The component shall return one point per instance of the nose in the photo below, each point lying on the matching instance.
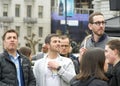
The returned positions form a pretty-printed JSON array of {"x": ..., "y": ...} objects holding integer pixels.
[
  {"x": 12, "y": 38},
  {"x": 101, "y": 24}
]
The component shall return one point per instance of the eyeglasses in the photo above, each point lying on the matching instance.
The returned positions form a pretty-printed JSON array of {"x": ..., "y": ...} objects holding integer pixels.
[
  {"x": 99, "y": 23},
  {"x": 65, "y": 46}
]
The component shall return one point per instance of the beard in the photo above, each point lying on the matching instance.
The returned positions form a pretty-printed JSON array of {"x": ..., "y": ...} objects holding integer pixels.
[{"x": 99, "y": 33}]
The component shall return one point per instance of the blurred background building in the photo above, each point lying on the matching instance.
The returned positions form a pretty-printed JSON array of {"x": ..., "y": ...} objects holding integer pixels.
[{"x": 34, "y": 19}]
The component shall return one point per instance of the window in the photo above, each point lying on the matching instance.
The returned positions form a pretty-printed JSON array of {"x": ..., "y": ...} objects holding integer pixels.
[
  {"x": 5, "y": 28},
  {"x": 29, "y": 31},
  {"x": 40, "y": 31},
  {"x": 5, "y": 10},
  {"x": 18, "y": 30},
  {"x": 40, "y": 11},
  {"x": 29, "y": 10},
  {"x": 17, "y": 10},
  {"x": 39, "y": 47}
]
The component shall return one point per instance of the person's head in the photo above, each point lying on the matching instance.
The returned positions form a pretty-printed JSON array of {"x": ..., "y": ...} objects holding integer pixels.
[
  {"x": 92, "y": 64},
  {"x": 10, "y": 40},
  {"x": 44, "y": 48},
  {"x": 112, "y": 51},
  {"x": 26, "y": 51},
  {"x": 64, "y": 45},
  {"x": 97, "y": 23},
  {"x": 53, "y": 42}
]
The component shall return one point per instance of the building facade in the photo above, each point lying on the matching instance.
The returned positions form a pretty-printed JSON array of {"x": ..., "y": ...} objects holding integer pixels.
[
  {"x": 27, "y": 17},
  {"x": 104, "y": 7}
]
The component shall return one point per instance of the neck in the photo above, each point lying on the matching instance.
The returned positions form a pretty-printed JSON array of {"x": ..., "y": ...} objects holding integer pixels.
[
  {"x": 52, "y": 55},
  {"x": 12, "y": 53},
  {"x": 116, "y": 61},
  {"x": 65, "y": 55},
  {"x": 96, "y": 38}
]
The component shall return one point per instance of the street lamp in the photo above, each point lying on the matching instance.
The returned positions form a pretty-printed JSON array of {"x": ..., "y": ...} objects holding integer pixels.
[{"x": 66, "y": 26}]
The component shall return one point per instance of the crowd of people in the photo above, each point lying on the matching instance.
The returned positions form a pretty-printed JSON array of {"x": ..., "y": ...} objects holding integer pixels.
[{"x": 98, "y": 63}]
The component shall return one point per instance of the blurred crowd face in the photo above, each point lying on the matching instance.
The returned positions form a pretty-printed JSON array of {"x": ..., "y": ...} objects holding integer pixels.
[
  {"x": 98, "y": 25},
  {"x": 110, "y": 55},
  {"x": 44, "y": 48},
  {"x": 64, "y": 46},
  {"x": 106, "y": 65}
]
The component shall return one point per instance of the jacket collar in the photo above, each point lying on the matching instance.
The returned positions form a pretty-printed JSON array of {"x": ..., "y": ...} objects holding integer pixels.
[{"x": 100, "y": 39}]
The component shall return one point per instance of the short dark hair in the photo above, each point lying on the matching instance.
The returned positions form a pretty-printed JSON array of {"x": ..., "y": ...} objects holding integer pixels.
[
  {"x": 25, "y": 51},
  {"x": 65, "y": 37},
  {"x": 9, "y": 31},
  {"x": 92, "y": 64},
  {"x": 49, "y": 36},
  {"x": 92, "y": 15},
  {"x": 114, "y": 44}
]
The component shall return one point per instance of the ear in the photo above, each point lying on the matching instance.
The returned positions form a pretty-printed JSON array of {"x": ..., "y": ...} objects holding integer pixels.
[
  {"x": 90, "y": 26},
  {"x": 116, "y": 52}
]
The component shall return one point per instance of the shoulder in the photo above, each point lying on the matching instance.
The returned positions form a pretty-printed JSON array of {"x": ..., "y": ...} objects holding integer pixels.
[
  {"x": 2, "y": 56},
  {"x": 39, "y": 61},
  {"x": 98, "y": 82},
  {"x": 74, "y": 82},
  {"x": 65, "y": 59}
]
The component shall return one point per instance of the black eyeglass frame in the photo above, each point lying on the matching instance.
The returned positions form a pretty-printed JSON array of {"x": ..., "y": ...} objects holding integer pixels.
[{"x": 99, "y": 23}]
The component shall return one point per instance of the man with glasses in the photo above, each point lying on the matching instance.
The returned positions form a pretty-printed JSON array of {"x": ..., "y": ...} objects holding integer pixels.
[
  {"x": 66, "y": 51},
  {"x": 98, "y": 38}
]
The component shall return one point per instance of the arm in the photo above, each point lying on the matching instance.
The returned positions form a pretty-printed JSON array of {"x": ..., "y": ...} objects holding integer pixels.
[
  {"x": 67, "y": 71},
  {"x": 2, "y": 83},
  {"x": 37, "y": 73}
]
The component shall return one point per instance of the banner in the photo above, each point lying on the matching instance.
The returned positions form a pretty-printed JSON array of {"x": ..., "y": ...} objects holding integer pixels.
[{"x": 69, "y": 5}]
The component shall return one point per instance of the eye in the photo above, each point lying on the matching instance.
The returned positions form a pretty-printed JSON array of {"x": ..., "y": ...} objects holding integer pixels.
[{"x": 99, "y": 23}]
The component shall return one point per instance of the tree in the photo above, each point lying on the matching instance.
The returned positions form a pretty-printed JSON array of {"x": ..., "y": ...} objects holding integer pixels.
[{"x": 32, "y": 42}]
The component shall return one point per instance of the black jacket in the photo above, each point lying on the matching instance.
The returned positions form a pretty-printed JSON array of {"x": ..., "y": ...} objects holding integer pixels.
[
  {"x": 8, "y": 73},
  {"x": 90, "y": 82},
  {"x": 114, "y": 75}
]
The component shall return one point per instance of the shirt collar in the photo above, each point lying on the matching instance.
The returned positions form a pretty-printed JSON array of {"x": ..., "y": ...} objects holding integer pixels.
[{"x": 16, "y": 57}]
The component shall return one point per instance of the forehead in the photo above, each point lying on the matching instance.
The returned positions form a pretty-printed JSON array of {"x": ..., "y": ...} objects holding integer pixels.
[
  {"x": 55, "y": 38},
  {"x": 98, "y": 18},
  {"x": 107, "y": 47},
  {"x": 10, "y": 34},
  {"x": 64, "y": 41}
]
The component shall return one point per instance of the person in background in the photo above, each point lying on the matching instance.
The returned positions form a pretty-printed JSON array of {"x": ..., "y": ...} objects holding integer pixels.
[
  {"x": 15, "y": 68},
  {"x": 53, "y": 69},
  {"x": 41, "y": 54},
  {"x": 66, "y": 51},
  {"x": 26, "y": 51},
  {"x": 112, "y": 53},
  {"x": 98, "y": 38},
  {"x": 91, "y": 69}
]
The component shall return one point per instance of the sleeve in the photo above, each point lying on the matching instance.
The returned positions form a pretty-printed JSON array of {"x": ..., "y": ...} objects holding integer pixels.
[
  {"x": 118, "y": 77},
  {"x": 67, "y": 71},
  {"x": 36, "y": 73}
]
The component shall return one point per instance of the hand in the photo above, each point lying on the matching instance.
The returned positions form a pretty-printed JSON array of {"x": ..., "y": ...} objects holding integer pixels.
[
  {"x": 53, "y": 65},
  {"x": 81, "y": 52}
]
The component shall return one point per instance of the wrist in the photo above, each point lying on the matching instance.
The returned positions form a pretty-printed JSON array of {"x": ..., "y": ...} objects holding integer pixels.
[{"x": 59, "y": 67}]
